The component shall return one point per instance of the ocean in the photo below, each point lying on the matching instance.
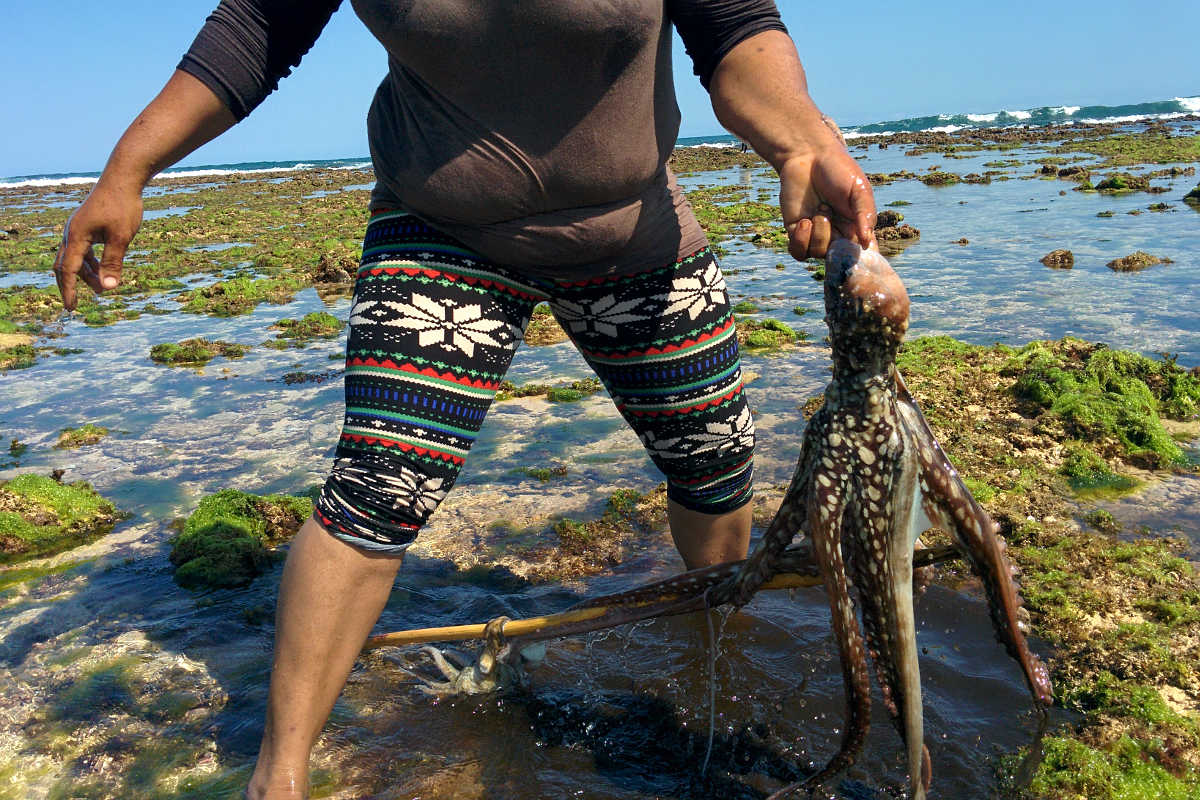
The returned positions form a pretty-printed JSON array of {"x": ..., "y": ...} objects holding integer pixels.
[{"x": 1043, "y": 115}]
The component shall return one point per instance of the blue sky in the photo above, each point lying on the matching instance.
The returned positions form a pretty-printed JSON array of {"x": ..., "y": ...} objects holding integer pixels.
[{"x": 75, "y": 73}]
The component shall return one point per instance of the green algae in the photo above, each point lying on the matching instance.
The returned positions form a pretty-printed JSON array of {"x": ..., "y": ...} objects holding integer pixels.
[
  {"x": 1122, "y": 183},
  {"x": 1109, "y": 396},
  {"x": 40, "y": 516},
  {"x": 226, "y": 541},
  {"x": 1102, "y": 520},
  {"x": 939, "y": 178},
  {"x": 1072, "y": 770},
  {"x": 766, "y": 335},
  {"x": 563, "y": 393},
  {"x": 241, "y": 295},
  {"x": 1145, "y": 147},
  {"x": 194, "y": 352},
  {"x": 300, "y": 332},
  {"x": 545, "y": 474},
  {"x": 543, "y": 328},
  {"x": 746, "y": 307},
  {"x": 72, "y": 438},
  {"x": 14, "y": 576},
  {"x": 17, "y": 356},
  {"x": 1090, "y": 475}
]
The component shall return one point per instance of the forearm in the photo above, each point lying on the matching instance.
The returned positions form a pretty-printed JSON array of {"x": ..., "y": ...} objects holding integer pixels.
[
  {"x": 759, "y": 92},
  {"x": 184, "y": 115}
]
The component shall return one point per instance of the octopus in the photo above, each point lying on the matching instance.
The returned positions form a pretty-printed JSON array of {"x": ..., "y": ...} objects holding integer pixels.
[{"x": 871, "y": 478}]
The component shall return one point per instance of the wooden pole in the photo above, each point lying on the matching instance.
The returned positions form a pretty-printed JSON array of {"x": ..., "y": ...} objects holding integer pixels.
[{"x": 591, "y": 616}]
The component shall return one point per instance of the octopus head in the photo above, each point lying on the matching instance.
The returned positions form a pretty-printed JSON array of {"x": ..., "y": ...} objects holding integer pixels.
[{"x": 866, "y": 305}]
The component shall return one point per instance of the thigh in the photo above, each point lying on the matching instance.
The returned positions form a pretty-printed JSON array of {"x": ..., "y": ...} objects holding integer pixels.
[
  {"x": 665, "y": 345},
  {"x": 433, "y": 328}
]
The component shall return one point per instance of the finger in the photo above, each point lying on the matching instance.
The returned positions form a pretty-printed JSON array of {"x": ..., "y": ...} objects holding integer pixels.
[
  {"x": 798, "y": 238},
  {"x": 822, "y": 232},
  {"x": 110, "y": 263},
  {"x": 862, "y": 203},
  {"x": 67, "y": 264},
  {"x": 90, "y": 271}
]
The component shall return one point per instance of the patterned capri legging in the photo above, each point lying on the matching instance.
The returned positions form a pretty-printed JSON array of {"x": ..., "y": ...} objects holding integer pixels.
[{"x": 433, "y": 329}]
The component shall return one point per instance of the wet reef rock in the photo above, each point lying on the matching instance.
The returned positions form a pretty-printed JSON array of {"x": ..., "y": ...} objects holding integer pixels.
[
  {"x": 1136, "y": 261},
  {"x": 893, "y": 234},
  {"x": 1059, "y": 259}
]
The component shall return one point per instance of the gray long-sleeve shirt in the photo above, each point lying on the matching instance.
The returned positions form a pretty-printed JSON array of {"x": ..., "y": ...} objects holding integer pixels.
[{"x": 534, "y": 131}]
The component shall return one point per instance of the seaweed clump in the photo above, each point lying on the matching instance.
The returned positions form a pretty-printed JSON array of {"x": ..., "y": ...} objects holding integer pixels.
[
  {"x": 1113, "y": 399},
  {"x": 194, "y": 352},
  {"x": 71, "y": 438},
  {"x": 759, "y": 336},
  {"x": 39, "y": 516},
  {"x": 299, "y": 332},
  {"x": 16, "y": 347},
  {"x": 227, "y": 540},
  {"x": 564, "y": 393},
  {"x": 241, "y": 295}
]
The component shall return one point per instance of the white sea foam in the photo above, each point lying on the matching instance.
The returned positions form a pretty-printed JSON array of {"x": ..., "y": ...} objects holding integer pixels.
[
  {"x": 983, "y": 117},
  {"x": 1019, "y": 114},
  {"x": 946, "y": 128},
  {"x": 84, "y": 180},
  {"x": 75, "y": 181},
  {"x": 1133, "y": 118},
  {"x": 859, "y": 134},
  {"x": 1068, "y": 110},
  {"x": 1192, "y": 104}
]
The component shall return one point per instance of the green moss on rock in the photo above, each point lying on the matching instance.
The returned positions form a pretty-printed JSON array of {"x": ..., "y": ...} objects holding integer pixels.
[
  {"x": 241, "y": 295},
  {"x": 767, "y": 334},
  {"x": 299, "y": 332},
  {"x": 195, "y": 352},
  {"x": 71, "y": 438},
  {"x": 564, "y": 393},
  {"x": 1108, "y": 395},
  {"x": 40, "y": 516},
  {"x": 226, "y": 541}
]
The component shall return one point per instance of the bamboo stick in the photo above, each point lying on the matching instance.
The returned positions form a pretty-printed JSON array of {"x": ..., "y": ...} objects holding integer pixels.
[{"x": 678, "y": 599}]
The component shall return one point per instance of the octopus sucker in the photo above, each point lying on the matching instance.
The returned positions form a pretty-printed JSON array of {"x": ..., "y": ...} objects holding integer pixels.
[{"x": 881, "y": 449}]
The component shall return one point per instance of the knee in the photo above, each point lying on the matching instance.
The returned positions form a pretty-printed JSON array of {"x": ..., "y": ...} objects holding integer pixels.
[{"x": 378, "y": 508}]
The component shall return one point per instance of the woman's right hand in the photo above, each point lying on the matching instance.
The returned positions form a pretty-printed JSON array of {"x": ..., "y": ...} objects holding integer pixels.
[{"x": 110, "y": 216}]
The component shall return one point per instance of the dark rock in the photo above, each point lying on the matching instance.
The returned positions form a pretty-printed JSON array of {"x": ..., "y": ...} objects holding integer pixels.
[
  {"x": 963, "y": 241},
  {"x": 1059, "y": 259},
  {"x": 893, "y": 239},
  {"x": 336, "y": 268},
  {"x": 888, "y": 219},
  {"x": 1136, "y": 261},
  {"x": 1074, "y": 172}
]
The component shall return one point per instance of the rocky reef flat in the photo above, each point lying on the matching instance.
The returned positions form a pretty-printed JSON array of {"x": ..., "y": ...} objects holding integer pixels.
[{"x": 161, "y": 444}]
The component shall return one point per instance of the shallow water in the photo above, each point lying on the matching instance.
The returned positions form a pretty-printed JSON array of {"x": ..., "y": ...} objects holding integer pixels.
[{"x": 115, "y": 682}]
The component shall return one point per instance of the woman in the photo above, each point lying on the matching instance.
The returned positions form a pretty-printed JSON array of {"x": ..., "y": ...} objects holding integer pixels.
[{"x": 520, "y": 155}]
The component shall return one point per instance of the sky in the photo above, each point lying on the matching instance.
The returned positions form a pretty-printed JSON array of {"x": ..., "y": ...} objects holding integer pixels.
[{"x": 75, "y": 73}]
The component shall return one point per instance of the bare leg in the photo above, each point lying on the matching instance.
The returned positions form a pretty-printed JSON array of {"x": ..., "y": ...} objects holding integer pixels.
[
  {"x": 707, "y": 539},
  {"x": 330, "y": 596}
]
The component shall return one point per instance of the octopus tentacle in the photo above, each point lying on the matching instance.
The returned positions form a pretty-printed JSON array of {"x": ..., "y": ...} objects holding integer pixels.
[
  {"x": 826, "y": 515},
  {"x": 788, "y": 521},
  {"x": 884, "y": 570},
  {"x": 950, "y": 505}
]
